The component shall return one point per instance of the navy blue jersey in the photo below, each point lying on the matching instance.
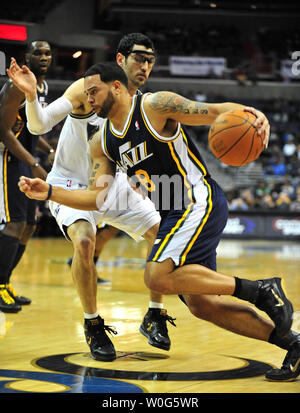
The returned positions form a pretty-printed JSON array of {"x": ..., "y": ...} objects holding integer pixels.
[
  {"x": 168, "y": 168},
  {"x": 28, "y": 140}
]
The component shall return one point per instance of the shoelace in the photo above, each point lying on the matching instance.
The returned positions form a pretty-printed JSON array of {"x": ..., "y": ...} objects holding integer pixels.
[
  {"x": 110, "y": 329},
  {"x": 5, "y": 296},
  {"x": 170, "y": 319},
  {"x": 163, "y": 318}
]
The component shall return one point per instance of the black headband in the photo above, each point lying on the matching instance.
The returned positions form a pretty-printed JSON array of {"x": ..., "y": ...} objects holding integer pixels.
[{"x": 142, "y": 52}]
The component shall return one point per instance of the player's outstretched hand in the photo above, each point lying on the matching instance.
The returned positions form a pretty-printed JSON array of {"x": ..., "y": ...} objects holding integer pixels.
[
  {"x": 261, "y": 123},
  {"x": 34, "y": 188},
  {"x": 22, "y": 77}
]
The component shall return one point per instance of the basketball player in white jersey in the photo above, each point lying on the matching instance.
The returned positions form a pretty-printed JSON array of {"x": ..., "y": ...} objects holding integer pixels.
[{"x": 124, "y": 208}]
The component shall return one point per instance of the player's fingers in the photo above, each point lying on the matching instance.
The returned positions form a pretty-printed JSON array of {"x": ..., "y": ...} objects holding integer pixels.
[
  {"x": 266, "y": 137},
  {"x": 25, "y": 69},
  {"x": 260, "y": 117}
]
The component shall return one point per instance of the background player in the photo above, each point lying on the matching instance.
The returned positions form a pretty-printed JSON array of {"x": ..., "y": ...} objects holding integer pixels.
[
  {"x": 17, "y": 150},
  {"x": 136, "y": 55}
]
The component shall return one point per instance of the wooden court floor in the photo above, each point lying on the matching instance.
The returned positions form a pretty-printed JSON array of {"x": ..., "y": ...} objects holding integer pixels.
[{"x": 43, "y": 349}]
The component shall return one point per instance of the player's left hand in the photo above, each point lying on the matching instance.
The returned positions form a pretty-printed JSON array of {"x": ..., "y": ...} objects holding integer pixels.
[
  {"x": 261, "y": 123},
  {"x": 22, "y": 77},
  {"x": 34, "y": 188}
]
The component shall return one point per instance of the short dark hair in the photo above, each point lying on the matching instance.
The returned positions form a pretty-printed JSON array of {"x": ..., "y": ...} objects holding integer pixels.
[
  {"x": 30, "y": 46},
  {"x": 129, "y": 40},
  {"x": 108, "y": 71}
]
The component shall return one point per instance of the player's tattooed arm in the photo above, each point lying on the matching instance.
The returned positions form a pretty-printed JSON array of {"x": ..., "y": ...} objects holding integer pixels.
[
  {"x": 166, "y": 102},
  {"x": 170, "y": 105},
  {"x": 93, "y": 174}
]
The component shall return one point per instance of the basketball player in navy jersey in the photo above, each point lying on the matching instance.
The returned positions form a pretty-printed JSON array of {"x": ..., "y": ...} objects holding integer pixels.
[
  {"x": 144, "y": 136},
  {"x": 17, "y": 149}
]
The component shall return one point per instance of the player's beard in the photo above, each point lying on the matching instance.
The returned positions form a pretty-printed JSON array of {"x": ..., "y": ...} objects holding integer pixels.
[{"x": 107, "y": 105}]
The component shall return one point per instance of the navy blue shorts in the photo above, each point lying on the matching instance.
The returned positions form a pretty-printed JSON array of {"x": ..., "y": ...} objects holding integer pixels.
[
  {"x": 191, "y": 235},
  {"x": 16, "y": 206}
]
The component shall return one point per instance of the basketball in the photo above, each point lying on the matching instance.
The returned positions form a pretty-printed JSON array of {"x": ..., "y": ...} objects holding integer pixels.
[{"x": 233, "y": 138}]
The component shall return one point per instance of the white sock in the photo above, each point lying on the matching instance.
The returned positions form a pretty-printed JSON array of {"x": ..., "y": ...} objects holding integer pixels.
[
  {"x": 153, "y": 304},
  {"x": 90, "y": 316}
]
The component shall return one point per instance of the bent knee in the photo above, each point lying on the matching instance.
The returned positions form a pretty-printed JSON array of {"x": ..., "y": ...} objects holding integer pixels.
[{"x": 158, "y": 280}]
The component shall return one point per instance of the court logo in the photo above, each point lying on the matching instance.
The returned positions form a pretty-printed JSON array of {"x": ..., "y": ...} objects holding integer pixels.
[{"x": 62, "y": 363}]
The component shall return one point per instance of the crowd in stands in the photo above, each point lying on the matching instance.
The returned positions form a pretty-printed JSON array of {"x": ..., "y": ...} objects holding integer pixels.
[{"x": 281, "y": 195}]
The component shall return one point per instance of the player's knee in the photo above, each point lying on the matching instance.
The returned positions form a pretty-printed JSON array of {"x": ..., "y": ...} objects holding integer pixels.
[
  {"x": 155, "y": 280},
  {"x": 14, "y": 229},
  {"x": 85, "y": 246}
]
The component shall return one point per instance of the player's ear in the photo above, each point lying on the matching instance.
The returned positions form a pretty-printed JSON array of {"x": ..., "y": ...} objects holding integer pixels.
[
  {"x": 120, "y": 59},
  {"x": 117, "y": 86}
]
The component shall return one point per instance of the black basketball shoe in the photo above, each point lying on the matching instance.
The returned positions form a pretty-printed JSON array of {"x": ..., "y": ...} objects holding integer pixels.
[
  {"x": 271, "y": 299},
  {"x": 290, "y": 369},
  {"x": 7, "y": 303},
  {"x": 154, "y": 327},
  {"x": 19, "y": 299},
  {"x": 100, "y": 344}
]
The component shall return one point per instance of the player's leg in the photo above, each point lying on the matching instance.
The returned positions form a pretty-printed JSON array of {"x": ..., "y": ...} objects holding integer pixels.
[
  {"x": 9, "y": 243},
  {"x": 79, "y": 227},
  {"x": 244, "y": 320},
  {"x": 154, "y": 324},
  {"x": 13, "y": 216},
  {"x": 230, "y": 315},
  {"x": 24, "y": 238},
  {"x": 128, "y": 211},
  {"x": 84, "y": 276},
  {"x": 185, "y": 240},
  {"x": 83, "y": 269},
  {"x": 104, "y": 234}
]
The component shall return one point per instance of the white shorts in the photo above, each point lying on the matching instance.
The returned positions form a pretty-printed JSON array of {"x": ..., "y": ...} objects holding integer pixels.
[{"x": 124, "y": 209}]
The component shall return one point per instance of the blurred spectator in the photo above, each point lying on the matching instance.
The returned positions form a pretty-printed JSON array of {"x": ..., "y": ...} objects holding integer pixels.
[
  {"x": 289, "y": 148},
  {"x": 283, "y": 201},
  {"x": 277, "y": 166},
  {"x": 236, "y": 202},
  {"x": 295, "y": 205}
]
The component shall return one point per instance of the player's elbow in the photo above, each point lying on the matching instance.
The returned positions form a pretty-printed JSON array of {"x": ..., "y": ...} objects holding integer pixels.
[{"x": 37, "y": 130}]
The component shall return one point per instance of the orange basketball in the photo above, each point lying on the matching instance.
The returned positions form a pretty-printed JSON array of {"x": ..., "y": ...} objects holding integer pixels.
[{"x": 233, "y": 138}]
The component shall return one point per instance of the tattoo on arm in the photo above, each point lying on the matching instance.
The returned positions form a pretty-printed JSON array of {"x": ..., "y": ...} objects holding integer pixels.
[
  {"x": 166, "y": 102},
  {"x": 93, "y": 174}
]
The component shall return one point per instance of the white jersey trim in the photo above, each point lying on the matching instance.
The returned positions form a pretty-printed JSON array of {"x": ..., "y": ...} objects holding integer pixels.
[{"x": 152, "y": 130}]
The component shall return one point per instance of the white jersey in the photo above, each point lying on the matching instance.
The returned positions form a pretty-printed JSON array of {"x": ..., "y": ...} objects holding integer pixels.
[
  {"x": 123, "y": 208},
  {"x": 72, "y": 164}
]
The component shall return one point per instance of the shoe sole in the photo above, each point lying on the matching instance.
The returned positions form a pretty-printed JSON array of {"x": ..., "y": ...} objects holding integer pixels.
[
  {"x": 152, "y": 343},
  {"x": 10, "y": 310},
  {"x": 289, "y": 308},
  {"x": 98, "y": 358},
  {"x": 282, "y": 381}
]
